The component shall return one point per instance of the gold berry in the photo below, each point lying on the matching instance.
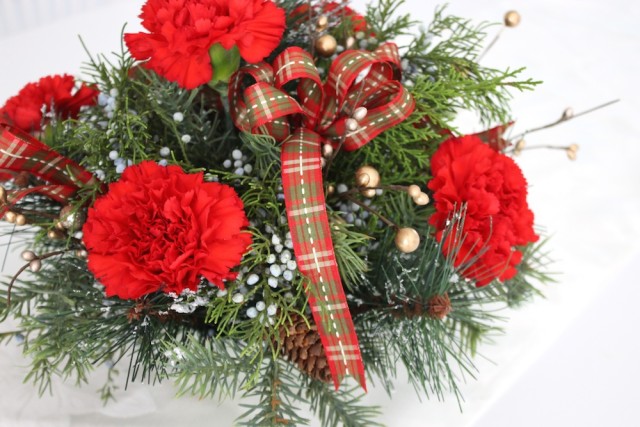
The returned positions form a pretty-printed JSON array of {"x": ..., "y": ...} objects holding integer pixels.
[
  {"x": 370, "y": 193},
  {"x": 322, "y": 23},
  {"x": 21, "y": 219},
  {"x": 35, "y": 265},
  {"x": 413, "y": 191},
  {"x": 407, "y": 240},
  {"x": 10, "y": 217},
  {"x": 359, "y": 114},
  {"x": 511, "y": 19},
  {"x": 351, "y": 124},
  {"x": 28, "y": 255},
  {"x": 327, "y": 150},
  {"x": 567, "y": 113},
  {"x": 362, "y": 180},
  {"x": 374, "y": 176},
  {"x": 81, "y": 253},
  {"x": 422, "y": 199},
  {"x": 326, "y": 45}
]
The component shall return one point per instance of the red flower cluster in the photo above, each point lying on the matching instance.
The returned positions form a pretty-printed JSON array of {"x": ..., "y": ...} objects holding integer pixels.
[
  {"x": 51, "y": 94},
  {"x": 357, "y": 21},
  {"x": 160, "y": 229},
  {"x": 182, "y": 31},
  {"x": 467, "y": 171}
]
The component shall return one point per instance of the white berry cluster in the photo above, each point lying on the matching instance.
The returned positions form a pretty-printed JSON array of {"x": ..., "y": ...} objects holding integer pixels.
[
  {"x": 353, "y": 213},
  {"x": 108, "y": 102},
  {"x": 178, "y": 117},
  {"x": 279, "y": 272},
  {"x": 238, "y": 163}
]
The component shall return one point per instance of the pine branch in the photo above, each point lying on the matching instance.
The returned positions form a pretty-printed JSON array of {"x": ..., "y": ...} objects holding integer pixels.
[
  {"x": 533, "y": 271},
  {"x": 278, "y": 394},
  {"x": 209, "y": 368},
  {"x": 342, "y": 407},
  {"x": 383, "y": 20}
]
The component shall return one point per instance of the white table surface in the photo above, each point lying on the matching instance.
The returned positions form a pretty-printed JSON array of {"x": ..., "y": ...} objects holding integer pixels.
[{"x": 570, "y": 359}]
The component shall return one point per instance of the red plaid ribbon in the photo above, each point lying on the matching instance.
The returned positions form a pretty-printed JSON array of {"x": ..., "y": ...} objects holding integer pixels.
[
  {"x": 312, "y": 244},
  {"x": 19, "y": 152},
  {"x": 319, "y": 113}
]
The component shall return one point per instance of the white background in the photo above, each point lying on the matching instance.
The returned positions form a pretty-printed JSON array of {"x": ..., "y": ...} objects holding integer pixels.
[{"x": 568, "y": 360}]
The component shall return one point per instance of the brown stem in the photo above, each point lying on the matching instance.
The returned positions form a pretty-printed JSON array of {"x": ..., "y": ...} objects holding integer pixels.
[
  {"x": 372, "y": 212},
  {"x": 437, "y": 306},
  {"x": 493, "y": 42},
  {"x": 357, "y": 190},
  {"x": 21, "y": 270},
  {"x": 564, "y": 119}
]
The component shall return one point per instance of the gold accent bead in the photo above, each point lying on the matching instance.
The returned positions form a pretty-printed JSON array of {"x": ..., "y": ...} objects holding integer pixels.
[
  {"x": 10, "y": 217},
  {"x": 35, "y": 265},
  {"x": 71, "y": 218},
  {"x": 28, "y": 255},
  {"x": 567, "y": 113},
  {"x": 350, "y": 43},
  {"x": 413, "y": 191},
  {"x": 81, "y": 253},
  {"x": 519, "y": 147},
  {"x": 326, "y": 45},
  {"x": 369, "y": 193},
  {"x": 421, "y": 200},
  {"x": 359, "y": 114},
  {"x": 362, "y": 180},
  {"x": 407, "y": 240},
  {"x": 21, "y": 219},
  {"x": 511, "y": 19},
  {"x": 327, "y": 150},
  {"x": 331, "y": 189},
  {"x": 351, "y": 124},
  {"x": 322, "y": 23},
  {"x": 374, "y": 176}
]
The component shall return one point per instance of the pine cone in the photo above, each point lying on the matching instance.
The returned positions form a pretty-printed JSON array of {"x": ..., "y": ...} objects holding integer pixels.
[
  {"x": 439, "y": 306},
  {"x": 301, "y": 344}
]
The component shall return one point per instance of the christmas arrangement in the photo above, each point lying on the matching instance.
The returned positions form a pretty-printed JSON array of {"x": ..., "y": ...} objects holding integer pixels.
[{"x": 269, "y": 200}]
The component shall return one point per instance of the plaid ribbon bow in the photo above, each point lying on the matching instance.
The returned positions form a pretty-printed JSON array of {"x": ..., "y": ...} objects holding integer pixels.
[
  {"x": 303, "y": 124},
  {"x": 20, "y": 152}
]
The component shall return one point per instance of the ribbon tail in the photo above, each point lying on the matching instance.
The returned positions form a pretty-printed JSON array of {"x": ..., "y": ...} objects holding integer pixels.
[
  {"x": 20, "y": 151},
  {"x": 313, "y": 247}
]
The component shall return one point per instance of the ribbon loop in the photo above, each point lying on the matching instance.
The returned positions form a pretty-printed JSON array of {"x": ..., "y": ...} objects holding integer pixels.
[{"x": 356, "y": 79}]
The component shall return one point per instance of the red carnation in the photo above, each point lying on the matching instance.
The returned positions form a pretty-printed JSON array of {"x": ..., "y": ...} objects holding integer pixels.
[
  {"x": 160, "y": 229},
  {"x": 51, "y": 94},
  {"x": 467, "y": 171},
  {"x": 182, "y": 31}
]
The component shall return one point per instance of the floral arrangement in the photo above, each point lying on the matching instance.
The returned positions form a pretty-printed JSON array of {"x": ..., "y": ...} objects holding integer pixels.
[{"x": 262, "y": 198}]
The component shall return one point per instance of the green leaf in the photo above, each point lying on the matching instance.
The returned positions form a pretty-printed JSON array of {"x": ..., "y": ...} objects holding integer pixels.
[{"x": 225, "y": 63}]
